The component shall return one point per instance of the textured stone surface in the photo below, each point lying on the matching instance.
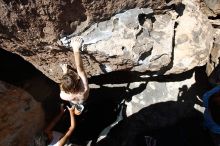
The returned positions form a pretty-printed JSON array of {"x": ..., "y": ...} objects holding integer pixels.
[
  {"x": 21, "y": 116},
  {"x": 215, "y": 54},
  {"x": 32, "y": 28},
  {"x": 193, "y": 39},
  {"x": 213, "y": 68},
  {"x": 157, "y": 92},
  {"x": 214, "y": 5},
  {"x": 136, "y": 36},
  {"x": 173, "y": 40}
]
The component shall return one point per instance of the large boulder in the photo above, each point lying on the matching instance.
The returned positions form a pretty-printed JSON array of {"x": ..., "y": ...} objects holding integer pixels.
[
  {"x": 21, "y": 116},
  {"x": 194, "y": 37},
  {"x": 137, "y": 39},
  {"x": 32, "y": 28},
  {"x": 163, "y": 38}
]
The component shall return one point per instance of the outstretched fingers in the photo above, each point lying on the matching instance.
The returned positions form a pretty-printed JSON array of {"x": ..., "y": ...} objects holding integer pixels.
[{"x": 76, "y": 43}]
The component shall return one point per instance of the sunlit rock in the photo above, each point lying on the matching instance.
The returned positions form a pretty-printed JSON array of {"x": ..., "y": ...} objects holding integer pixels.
[
  {"x": 213, "y": 68},
  {"x": 214, "y": 5},
  {"x": 193, "y": 39},
  {"x": 137, "y": 36}
]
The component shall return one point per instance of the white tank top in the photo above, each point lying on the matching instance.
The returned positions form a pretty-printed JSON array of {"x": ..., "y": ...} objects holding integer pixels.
[{"x": 70, "y": 97}]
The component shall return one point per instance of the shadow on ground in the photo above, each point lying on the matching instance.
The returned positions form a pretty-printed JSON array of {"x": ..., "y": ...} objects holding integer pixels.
[
  {"x": 168, "y": 123},
  {"x": 171, "y": 123}
]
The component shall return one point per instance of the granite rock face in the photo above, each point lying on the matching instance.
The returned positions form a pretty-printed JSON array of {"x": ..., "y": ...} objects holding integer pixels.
[
  {"x": 213, "y": 68},
  {"x": 194, "y": 37},
  {"x": 32, "y": 28},
  {"x": 138, "y": 39},
  {"x": 214, "y": 5},
  {"x": 21, "y": 116},
  {"x": 155, "y": 36}
]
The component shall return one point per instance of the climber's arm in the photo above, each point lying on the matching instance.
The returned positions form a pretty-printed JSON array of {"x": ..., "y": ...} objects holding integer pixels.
[
  {"x": 66, "y": 136},
  {"x": 76, "y": 44}
]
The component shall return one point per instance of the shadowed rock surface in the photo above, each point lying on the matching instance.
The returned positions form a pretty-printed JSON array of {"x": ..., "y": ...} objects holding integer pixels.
[
  {"x": 169, "y": 123},
  {"x": 21, "y": 116}
]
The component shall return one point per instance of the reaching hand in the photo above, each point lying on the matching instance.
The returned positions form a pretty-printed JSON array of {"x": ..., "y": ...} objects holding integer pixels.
[
  {"x": 76, "y": 43},
  {"x": 74, "y": 110},
  {"x": 71, "y": 109}
]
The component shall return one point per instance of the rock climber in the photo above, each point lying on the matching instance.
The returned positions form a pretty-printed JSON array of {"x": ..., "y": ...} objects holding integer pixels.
[{"x": 74, "y": 86}]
